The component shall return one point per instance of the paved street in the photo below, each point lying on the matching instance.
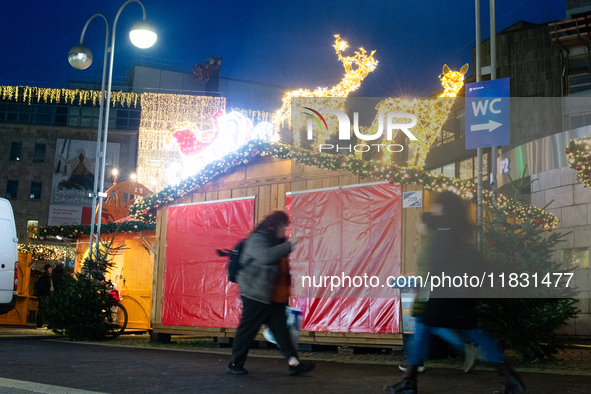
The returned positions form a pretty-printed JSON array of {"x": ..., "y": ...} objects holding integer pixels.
[{"x": 52, "y": 366}]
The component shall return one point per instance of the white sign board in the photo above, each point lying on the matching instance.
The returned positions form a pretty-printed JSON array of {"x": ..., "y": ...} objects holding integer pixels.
[{"x": 412, "y": 199}]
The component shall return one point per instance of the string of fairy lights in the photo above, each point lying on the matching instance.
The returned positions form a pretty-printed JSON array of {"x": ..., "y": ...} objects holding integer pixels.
[
  {"x": 254, "y": 115},
  {"x": 145, "y": 210},
  {"x": 51, "y": 95},
  {"x": 48, "y": 252},
  {"x": 579, "y": 158}
]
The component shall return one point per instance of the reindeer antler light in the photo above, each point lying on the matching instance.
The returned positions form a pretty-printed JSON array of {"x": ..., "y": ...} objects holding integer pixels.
[{"x": 333, "y": 98}]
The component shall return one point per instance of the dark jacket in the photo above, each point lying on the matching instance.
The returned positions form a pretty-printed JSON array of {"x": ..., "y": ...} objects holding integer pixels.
[
  {"x": 260, "y": 260},
  {"x": 44, "y": 285},
  {"x": 57, "y": 276},
  {"x": 447, "y": 253}
]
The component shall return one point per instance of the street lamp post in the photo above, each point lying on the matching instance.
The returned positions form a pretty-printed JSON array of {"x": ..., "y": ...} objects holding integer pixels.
[
  {"x": 142, "y": 35},
  {"x": 80, "y": 58}
]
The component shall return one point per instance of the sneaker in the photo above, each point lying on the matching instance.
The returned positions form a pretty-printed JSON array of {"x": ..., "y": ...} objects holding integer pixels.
[
  {"x": 302, "y": 367},
  {"x": 234, "y": 370},
  {"x": 470, "y": 355},
  {"x": 420, "y": 368},
  {"x": 41, "y": 328}
]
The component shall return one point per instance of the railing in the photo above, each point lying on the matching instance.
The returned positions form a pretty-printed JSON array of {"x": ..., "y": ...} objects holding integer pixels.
[{"x": 571, "y": 32}]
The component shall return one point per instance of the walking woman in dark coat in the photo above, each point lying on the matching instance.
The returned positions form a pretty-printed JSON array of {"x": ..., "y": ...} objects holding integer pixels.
[
  {"x": 264, "y": 283},
  {"x": 447, "y": 308}
]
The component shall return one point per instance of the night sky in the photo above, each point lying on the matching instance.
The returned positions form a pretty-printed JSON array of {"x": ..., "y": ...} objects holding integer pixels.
[{"x": 288, "y": 43}]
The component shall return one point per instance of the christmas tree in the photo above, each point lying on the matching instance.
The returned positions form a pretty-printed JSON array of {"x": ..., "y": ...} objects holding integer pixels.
[
  {"x": 78, "y": 310},
  {"x": 526, "y": 325}
]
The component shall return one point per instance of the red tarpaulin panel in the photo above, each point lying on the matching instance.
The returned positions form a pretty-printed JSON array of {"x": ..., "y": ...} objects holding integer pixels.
[
  {"x": 355, "y": 233},
  {"x": 196, "y": 288}
]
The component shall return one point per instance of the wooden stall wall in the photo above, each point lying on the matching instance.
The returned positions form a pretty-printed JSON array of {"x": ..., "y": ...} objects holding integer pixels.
[
  {"x": 25, "y": 302},
  {"x": 132, "y": 273},
  {"x": 269, "y": 180}
]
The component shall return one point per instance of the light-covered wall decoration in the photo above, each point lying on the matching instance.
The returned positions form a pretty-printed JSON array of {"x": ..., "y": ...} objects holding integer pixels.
[{"x": 160, "y": 113}]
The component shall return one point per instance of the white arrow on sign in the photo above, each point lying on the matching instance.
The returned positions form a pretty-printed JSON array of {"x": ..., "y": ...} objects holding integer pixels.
[{"x": 490, "y": 126}]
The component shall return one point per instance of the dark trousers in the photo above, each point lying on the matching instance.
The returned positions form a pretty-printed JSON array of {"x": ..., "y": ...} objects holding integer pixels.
[
  {"x": 39, "y": 317},
  {"x": 254, "y": 314}
]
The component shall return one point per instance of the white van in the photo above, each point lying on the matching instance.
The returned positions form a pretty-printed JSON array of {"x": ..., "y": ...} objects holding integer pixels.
[{"x": 8, "y": 258}]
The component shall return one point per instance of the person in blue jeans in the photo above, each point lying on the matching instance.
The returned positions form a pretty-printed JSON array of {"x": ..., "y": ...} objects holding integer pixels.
[
  {"x": 445, "y": 250},
  {"x": 426, "y": 227},
  {"x": 420, "y": 350}
]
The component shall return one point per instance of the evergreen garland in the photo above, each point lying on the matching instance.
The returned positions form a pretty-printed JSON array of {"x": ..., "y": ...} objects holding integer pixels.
[
  {"x": 579, "y": 158},
  {"x": 74, "y": 231},
  {"x": 146, "y": 208}
]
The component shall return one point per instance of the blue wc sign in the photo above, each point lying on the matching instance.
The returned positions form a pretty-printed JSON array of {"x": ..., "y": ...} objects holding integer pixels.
[{"x": 487, "y": 113}]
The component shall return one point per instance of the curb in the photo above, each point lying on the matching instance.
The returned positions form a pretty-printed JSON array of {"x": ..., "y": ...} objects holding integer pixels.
[{"x": 227, "y": 352}]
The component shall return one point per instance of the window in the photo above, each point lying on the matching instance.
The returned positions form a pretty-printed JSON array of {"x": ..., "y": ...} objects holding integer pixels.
[
  {"x": 88, "y": 117},
  {"x": 575, "y": 258},
  {"x": 44, "y": 114},
  {"x": 468, "y": 168},
  {"x": 32, "y": 228},
  {"x": 35, "y": 190},
  {"x": 11, "y": 189},
  {"x": 446, "y": 170},
  {"x": 448, "y": 136},
  {"x": 582, "y": 120},
  {"x": 461, "y": 126},
  {"x": 12, "y": 112},
  {"x": 73, "y": 116},
  {"x": 449, "y": 170},
  {"x": 16, "y": 151},
  {"x": 39, "y": 155}
]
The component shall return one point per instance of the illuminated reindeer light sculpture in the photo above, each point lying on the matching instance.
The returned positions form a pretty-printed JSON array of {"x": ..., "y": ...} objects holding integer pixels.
[
  {"x": 333, "y": 98},
  {"x": 430, "y": 113}
]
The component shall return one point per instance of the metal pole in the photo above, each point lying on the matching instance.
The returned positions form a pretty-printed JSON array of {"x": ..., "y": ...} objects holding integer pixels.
[
  {"x": 479, "y": 150},
  {"x": 493, "y": 75},
  {"x": 100, "y": 126},
  {"x": 104, "y": 151}
]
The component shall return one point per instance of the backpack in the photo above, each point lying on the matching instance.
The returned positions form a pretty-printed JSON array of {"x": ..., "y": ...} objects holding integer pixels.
[
  {"x": 234, "y": 265},
  {"x": 36, "y": 288}
]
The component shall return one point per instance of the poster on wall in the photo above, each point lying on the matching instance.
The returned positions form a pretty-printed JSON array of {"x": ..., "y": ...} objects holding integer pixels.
[{"x": 73, "y": 180}]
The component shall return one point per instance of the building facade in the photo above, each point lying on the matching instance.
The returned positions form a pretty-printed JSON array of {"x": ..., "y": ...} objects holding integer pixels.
[
  {"x": 45, "y": 130},
  {"x": 550, "y": 88},
  {"x": 36, "y": 134}
]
